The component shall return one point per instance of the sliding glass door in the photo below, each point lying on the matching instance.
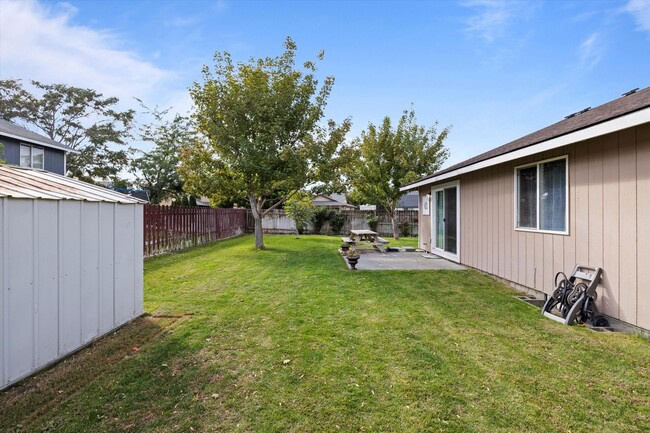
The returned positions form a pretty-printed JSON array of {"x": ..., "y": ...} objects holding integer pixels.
[{"x": 445, "y": 221}]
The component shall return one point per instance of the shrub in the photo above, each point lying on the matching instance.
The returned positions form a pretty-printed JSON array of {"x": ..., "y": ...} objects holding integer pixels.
[
  {"x": 372, "y": 221},
  {"x": 405, "y": 228},
  {"x": 320, "y": 217},
  {"x": 337, "y": 219}
]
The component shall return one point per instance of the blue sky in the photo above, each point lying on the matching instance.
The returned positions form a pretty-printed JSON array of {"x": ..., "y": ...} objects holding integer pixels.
[{"x": 494, "y": 69}]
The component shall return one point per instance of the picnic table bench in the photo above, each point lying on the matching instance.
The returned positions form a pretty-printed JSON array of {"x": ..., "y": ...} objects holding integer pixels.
[{"x": 365, "y": 237}]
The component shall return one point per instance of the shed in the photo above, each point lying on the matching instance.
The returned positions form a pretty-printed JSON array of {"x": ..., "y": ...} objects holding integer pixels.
[{"x": 71, "y": 267}]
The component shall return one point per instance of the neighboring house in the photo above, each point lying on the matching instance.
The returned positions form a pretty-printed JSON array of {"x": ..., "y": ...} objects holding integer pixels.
[
  {"x": 337, "y": 201},
  {"x": 575, "y": 192},
  {"x": 25, "y": 148},
  {"x": 409, "y": 201}
]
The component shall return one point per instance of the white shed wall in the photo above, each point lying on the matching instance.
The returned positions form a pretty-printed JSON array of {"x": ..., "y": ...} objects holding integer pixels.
[{"x": 70, "y": 271}]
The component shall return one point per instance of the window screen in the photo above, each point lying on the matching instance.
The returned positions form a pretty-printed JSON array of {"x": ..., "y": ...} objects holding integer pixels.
[
  {"x": 37, "y": 157},
  {"x": 552, "y": 195},
  {"x": 527, "y": 188},
  {"x": 25, "y": 156}
]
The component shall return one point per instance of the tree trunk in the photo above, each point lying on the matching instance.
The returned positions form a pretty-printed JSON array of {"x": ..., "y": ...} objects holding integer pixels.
[
  {"x": 257, "y": 216},
  {"x": 393, "y": 220}
]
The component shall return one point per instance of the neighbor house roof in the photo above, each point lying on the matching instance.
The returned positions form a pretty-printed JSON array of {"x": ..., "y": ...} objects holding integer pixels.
[
  {"x": 409, "y": 200},
  {"x": 629, "y": 110},
  {"x": 28, "y": 183},
  {"x": 334, "y": 200},
  {"x": 10, "y": 129}
]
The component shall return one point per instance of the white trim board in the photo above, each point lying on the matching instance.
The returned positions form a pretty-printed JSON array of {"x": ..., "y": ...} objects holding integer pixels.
[{"x": 627, "y": 121}]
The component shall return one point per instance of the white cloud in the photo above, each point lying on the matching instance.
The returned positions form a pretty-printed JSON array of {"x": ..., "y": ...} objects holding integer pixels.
[
  {"x": 492, "y": 17},
  {"x": 640, "y": 9},
  {"x": 590, "y": 52},
  {"x": 38, "y": 42}
]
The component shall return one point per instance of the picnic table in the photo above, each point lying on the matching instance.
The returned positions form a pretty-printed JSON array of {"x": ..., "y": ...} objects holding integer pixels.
[{"x": 365, "y": 237}]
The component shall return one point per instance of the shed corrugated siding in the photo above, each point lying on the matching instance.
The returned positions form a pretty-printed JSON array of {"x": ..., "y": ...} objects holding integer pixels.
[
  {"x": 70, "y": 271},
  {"x": 609, "y": 223}
]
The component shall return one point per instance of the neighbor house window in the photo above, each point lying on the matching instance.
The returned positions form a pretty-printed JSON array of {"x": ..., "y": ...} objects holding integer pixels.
[
  {"x": 31, "y": 156},
  {"x": 541, "y": 193}
]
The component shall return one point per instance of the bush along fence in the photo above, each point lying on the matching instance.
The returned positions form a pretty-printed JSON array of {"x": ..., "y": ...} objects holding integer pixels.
[
  {"x": 173, "y": 228},
  {"x": 277, "y": 221}
]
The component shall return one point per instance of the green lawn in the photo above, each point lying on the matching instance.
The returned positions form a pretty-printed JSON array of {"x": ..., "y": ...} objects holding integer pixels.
[{"x": 290, "y": 340}]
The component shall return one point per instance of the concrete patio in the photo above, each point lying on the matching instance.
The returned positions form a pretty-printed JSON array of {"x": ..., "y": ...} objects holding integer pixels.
[{"x": 375, "y": 261}]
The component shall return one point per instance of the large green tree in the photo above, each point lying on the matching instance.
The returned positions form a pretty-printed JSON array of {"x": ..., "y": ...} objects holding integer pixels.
[
  {"x": 157, "y": 170},
  {"x": 82, "y": 119},
  {"x": 262, "y": 130},
  {"x": 385, "y": 157}
]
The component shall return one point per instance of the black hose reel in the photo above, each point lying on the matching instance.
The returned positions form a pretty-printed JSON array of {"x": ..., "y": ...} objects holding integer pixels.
[{"x": 574, "y": 298}]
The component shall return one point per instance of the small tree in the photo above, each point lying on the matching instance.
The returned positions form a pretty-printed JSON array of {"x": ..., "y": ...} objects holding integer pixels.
[
  {"x": 157, "y": 170},
  {"x": 300, "y": 208},
  {"x": 261, "y": 124},
  {"x": 391, "y": 157}
]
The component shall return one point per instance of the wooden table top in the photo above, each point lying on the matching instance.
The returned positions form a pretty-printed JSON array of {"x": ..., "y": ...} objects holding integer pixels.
[{"x": 363, "y": 232}]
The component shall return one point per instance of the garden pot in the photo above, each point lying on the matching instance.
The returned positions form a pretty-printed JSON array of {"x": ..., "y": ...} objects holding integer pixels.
[{"x": 353, "y": 262}]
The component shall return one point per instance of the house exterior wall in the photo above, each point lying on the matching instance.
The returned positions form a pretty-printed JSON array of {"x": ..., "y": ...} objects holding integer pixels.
[
  {"x": 609, "y": 223},
  {"x": 70, "y": 271},
  {"x": 54, "y": 159},
  {"x": 424, "y": 221}
]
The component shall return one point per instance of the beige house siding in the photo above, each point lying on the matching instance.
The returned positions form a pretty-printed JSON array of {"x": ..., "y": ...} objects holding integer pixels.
[
  {"x": 424, "y": 222},
  {"x": 609, "y": 223}
]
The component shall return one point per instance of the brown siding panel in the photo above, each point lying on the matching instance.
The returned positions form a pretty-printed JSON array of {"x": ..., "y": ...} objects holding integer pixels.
[
  {"x": 609, "y": 292},
  {"x": 643, "y": 226},
  {"x": 570, "y": 241},
  {"x": 595, "y": 214},
  {"x": 507, "y": 223},
  {"x": 628, "y": 235},
  {"x": 582, "y": 203}
]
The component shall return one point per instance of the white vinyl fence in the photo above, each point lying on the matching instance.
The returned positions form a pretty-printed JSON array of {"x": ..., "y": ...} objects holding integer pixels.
[{"x": 277, "y": 221}]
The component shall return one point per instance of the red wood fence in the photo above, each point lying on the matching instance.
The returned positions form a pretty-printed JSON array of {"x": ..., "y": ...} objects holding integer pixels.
[{"x": 173, "y": 228}]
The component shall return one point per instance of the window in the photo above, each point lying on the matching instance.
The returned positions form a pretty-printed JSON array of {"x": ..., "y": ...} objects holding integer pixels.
[
  {"x": 541, "y": 191},
  {"x": 33, "y": 157}
]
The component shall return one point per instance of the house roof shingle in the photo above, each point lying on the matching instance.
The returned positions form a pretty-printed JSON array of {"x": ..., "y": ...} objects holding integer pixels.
[
  {"x": 10, "y": 129},
  {"x": 611, "y": 110}
]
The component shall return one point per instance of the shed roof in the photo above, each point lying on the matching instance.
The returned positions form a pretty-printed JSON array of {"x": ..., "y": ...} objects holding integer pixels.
[
  {"x": 21, "y": 182},
  {"x": 10, "y": 129},
  {"x": 628, "y": 103}
]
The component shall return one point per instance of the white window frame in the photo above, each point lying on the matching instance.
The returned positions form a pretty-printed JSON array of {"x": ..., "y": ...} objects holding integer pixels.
[
  {"x": 31, "y": 155},
  {"x": 433, "y": 211},
  {"x": 566, "y": 194}
]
